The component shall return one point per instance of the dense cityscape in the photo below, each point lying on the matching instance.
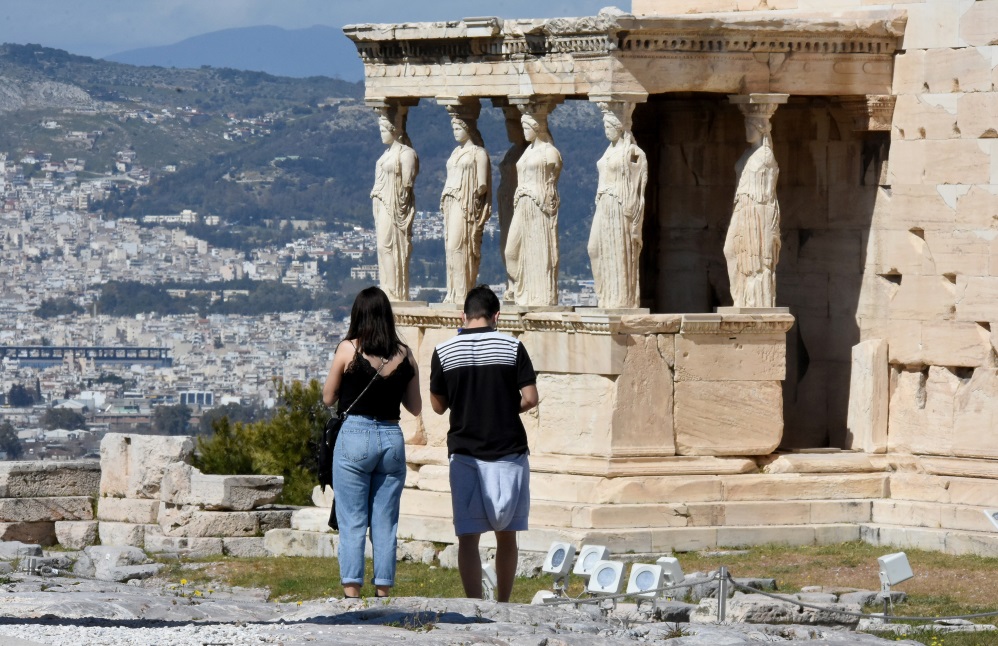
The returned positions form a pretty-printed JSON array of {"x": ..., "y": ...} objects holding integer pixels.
[{"x": 56, "y": 249}]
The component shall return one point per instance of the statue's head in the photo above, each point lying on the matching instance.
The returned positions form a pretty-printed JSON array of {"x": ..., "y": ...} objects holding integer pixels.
[
  {"x": 613, "y": 127},
  {"x": 757, "y": 129},
  {"x": 532, "y": 126},
  {"x": 389, "y": 132},
  {"x": 462, "y": 130}
]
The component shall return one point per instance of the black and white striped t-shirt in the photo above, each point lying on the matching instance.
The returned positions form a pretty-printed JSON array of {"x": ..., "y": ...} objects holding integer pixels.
[{"x": 481, "y": 371}]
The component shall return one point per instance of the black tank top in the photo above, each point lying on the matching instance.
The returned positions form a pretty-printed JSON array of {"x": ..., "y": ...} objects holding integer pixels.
[{"x": 383, "y": 399}]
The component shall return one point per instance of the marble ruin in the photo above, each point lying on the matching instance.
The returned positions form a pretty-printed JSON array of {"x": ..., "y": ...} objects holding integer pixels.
[
  {"x": 798, "y": 351},
  {"x": 801, "y": 351}
]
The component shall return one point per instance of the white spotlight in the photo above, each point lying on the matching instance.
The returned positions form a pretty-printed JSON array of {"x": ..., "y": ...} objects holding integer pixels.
[
  {"x": 558, "y": 563},
  {"x": 894, "y": 569},
  {"x": 607, "y": 578},
  {"x": 589, "y": 556},
  {"x": 645, "y": 577},
  {"x": 671, "y": 570},
  {"x": 992, "y": 515},
  {"x": 489, "y": 582}
]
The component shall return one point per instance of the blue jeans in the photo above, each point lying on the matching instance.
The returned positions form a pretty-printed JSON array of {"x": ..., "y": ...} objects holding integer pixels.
[{"x": 368, "y": 477}]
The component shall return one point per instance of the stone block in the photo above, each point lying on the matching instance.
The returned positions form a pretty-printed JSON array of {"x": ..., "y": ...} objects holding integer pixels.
[
  {"x": 926, "y": 116},
  {"x": 576, "y": 352},
  {"x": 573, "y": 416},
  {"x": 274, "y": 517},
  {"x": 122, "y": 534},
  {"x": 132, "y": 466},
  {"x": 185, "y": 485},
  {"x": 960, "y": 467},
  {"x": 930, "y": 540},
  {"x": 915, "y": 205},
  {"x": 76, "y": 534},
  {"x": 291, "y": 542},
  {"x": 945, "y": 343},
  {"x": 840, "y": 462},
  {"x": 13, "y": 549},
  {"x": 244, "y": 547},
  {"x": 976, "y": 298},
  {"x": 127, "y": 510},
  {"x": 428, "y": 503},
  {"x": 434, "y": 426},
  {"x": 935, "y": 24},
  {"x": 869, "y": 396},
  {"x": 120, "y": 563},
  {"x": 189, "y": 546},
  {"x": 975, "y": 114},
  {"x": 924, "y": 298},
  {"x": 38, "y": 479},
  {"x": 956, "y": 252},
  {"x": 30, "y": 510},
  {"x": 728, "y": 417},
  {"x": 952, "y": 161},
  {"x": 742, "y": 357},
  {"x": 837, "y": 512},
  {"x": 764, "y": 535},
  {"x": 626, "y": 516},
  {"x": 970, "y": 543},
  {"x": 643, "y": 425},
  {"x": 41, "y": 533},
  {"x": 683, "y": 539},
  {"x": 324, "y": 497},
  {"x": 418, "y": 552},
  {"x": 650, "y": 324},
  {"x": 189, "y": 521},
  {"x": 314, "y": 519},
  {"x": 921, "y": 410},
  {"x": 804, "y": 487}
]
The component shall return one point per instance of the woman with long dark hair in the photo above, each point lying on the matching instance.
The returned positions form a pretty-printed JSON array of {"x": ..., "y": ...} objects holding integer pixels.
[{"x": 369, "y": 458}]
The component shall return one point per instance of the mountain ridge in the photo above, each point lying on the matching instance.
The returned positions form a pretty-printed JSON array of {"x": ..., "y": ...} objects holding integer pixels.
[{"x": 318, "y": 50}]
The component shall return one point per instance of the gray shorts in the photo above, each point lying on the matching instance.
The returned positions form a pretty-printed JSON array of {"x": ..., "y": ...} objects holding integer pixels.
[{"x": 490, "y": 495}]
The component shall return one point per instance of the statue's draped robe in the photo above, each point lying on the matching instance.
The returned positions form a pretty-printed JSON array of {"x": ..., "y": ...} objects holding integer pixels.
[
  {"x": 752, "y": 245},
  {"x": 532, "y": 246},
  {"x": 465, "y": 216},
  {"x": 394, "y": 209},
  {"x": 615, "y": 239}
]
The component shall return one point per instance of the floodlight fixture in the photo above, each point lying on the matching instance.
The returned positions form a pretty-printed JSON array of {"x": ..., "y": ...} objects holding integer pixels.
[
  {"x": 607, "y": 578},
  {"x": 894, "y": 569},
  {"x": 589, "y": 556},
  {"x": 992, "y": 515},
  {"x": 645, "y": 580},
  {"x": 489, "y": 582},
  {"x": 672, "y": 571},
  {"x": 558, "y": 563}
]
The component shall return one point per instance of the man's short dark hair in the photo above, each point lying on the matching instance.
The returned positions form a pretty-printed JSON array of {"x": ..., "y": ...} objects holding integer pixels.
[{"x": 481, "y": 302}]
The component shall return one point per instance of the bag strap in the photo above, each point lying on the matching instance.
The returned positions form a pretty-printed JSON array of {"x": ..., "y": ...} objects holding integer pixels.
[{"x": 380, "y": 368}]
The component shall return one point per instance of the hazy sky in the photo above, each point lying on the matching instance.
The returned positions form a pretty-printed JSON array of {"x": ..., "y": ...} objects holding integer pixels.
[{"x": 103, "y": 27}]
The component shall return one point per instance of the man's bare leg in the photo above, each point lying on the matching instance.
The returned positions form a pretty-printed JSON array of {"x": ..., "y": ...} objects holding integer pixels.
[
  {"x": 507, "y": 553},
  {"x": 469, "y": 564}
]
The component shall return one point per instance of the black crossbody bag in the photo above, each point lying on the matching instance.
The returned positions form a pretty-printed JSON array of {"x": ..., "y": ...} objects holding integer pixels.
[{"x": 327, "y": 444}]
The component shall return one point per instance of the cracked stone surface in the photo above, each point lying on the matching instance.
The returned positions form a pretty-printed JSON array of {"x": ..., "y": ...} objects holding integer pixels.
[{"x": 68, "y": 610}]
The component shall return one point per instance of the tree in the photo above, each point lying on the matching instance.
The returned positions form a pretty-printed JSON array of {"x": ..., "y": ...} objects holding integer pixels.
[
  {"x": 171, "y": 420},
  {"x": 282, "y": 445},
  {"x": 19, "y": 397},
  {"x": 9, "y": 443},
  {"x": 66, "y": 418},
  {"x": 233, "y": 412}
]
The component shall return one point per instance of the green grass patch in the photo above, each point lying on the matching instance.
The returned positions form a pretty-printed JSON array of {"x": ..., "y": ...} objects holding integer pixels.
[{"x": 944, "y": 585}]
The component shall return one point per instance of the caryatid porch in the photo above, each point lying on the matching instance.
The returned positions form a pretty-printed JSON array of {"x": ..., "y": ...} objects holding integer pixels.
[{"x": 683, "y": 394}]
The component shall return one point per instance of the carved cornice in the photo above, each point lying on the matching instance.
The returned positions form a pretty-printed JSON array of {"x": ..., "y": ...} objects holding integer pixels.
[
  {"x": 736, "y": 323},
  {"x": 875, "y": 32},
  {"x": 870, "y": 113}
]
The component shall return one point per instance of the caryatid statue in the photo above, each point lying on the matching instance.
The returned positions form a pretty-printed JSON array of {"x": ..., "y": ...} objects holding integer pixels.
[
  {"x": 394, "y": 202},
  {"x": 532, "y": 245},
  {"x": 466, "y": 202},
  {"x": 507, "y": 180},
  {"x": 752, "y": 244},
  {"x": 615, "y": 239}
]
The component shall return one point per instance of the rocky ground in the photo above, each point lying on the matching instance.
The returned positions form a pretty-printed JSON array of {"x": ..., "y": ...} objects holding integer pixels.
[{"x": 62, "y": 609}]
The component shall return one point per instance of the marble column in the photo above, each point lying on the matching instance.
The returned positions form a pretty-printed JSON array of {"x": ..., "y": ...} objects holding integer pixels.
[
  {"x": 393, "y": 197},
  {"x": 752, "y": 244},
  {"x": 532, "y": 243},
  {"x": 466, "y": 200},
  {"x": 615, "y": 239}
]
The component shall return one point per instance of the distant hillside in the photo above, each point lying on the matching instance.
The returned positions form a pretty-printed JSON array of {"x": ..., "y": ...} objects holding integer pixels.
[
  {"x": 314, "y": 51},
  {"x": 255, "y": 148}
]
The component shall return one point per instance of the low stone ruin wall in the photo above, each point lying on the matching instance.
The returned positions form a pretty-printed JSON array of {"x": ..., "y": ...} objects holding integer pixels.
[{"x": 49, "y": 502}]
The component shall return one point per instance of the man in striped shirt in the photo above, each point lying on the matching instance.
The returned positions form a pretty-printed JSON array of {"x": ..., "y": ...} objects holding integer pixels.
[{"x": 486, "y": 379}]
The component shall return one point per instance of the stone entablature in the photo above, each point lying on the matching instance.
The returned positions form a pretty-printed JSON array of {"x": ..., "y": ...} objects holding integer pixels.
[{"x": 849, "y": 54}]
